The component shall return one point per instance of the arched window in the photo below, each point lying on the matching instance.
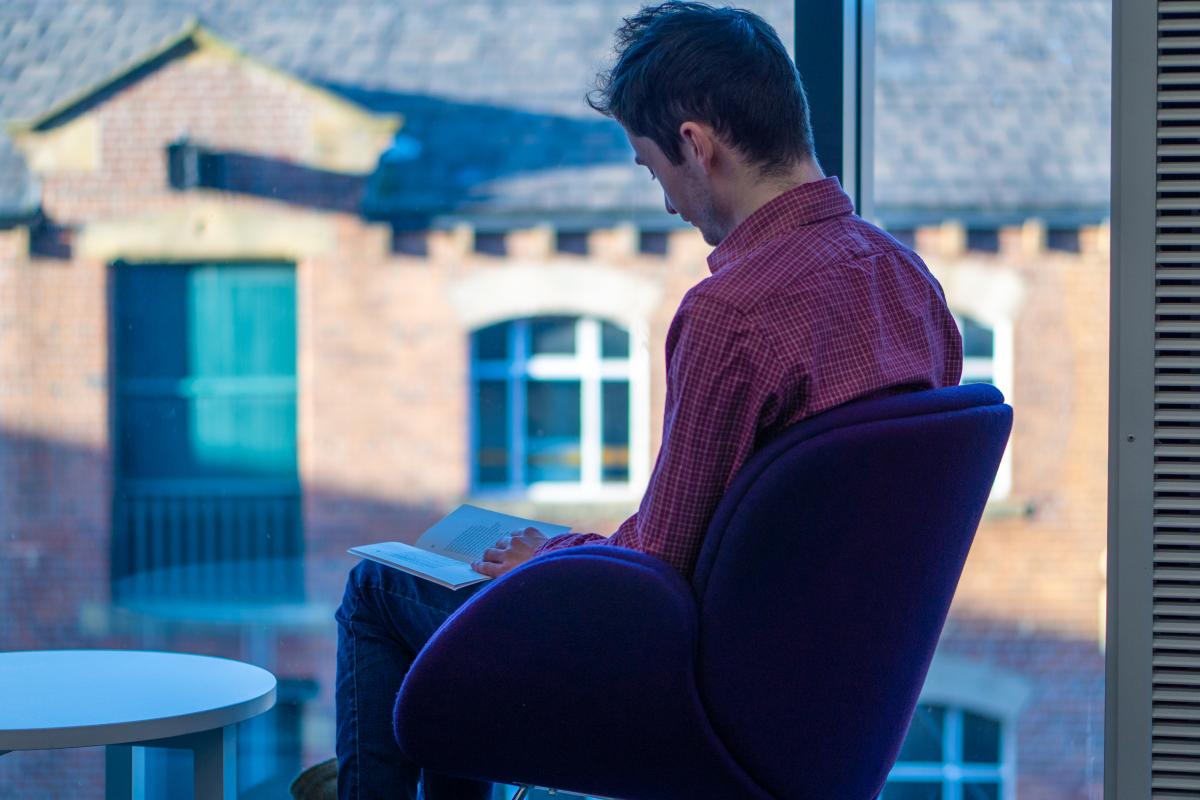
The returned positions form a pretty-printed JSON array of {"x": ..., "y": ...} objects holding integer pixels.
[
  {"x": 556, "y": 407},
  {"x": 950, "y": 753},
  {"x": 987, "y": 358},
  {"x": 979, "y": 350}
]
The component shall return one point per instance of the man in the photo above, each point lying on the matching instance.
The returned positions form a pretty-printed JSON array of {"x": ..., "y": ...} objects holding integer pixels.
[{"x": 807, "y": 308}]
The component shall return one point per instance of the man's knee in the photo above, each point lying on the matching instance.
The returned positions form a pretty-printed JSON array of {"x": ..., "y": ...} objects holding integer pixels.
[
  {"x": 368, "y": 575},
  {"x": 364, "y": 575}
]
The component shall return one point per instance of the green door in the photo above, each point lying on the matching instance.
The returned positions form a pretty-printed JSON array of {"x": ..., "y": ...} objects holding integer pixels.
[{"x": 206, "y": 501}]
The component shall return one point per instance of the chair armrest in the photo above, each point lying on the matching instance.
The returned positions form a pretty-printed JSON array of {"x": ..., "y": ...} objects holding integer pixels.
[{"x": 579, "y": 663}]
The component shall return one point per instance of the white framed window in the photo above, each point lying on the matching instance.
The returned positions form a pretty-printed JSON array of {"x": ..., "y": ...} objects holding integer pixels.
[
  {"x": 962, "y": 744},
  {"x": 988, "y": 358},
  {"x": 558, "y": 405},
  {"x": 950, "y": 753}
]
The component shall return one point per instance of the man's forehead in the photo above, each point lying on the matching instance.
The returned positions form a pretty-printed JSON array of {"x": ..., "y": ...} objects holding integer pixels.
[{"x": 642, "y": 147}]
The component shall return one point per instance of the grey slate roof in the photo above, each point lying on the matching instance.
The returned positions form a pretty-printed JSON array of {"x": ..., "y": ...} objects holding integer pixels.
[{"x": 991, "y": 107}]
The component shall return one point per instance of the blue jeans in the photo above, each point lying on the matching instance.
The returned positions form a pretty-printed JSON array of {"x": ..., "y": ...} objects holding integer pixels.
[{"x": 385, "y": 619}]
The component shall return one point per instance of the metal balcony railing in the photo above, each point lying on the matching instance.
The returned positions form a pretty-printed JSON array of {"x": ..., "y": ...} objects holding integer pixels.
[{"x": 237, "y": 541}]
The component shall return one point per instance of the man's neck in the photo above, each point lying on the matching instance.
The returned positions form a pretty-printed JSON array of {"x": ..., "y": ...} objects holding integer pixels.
[{"x": 756, "y": 191}]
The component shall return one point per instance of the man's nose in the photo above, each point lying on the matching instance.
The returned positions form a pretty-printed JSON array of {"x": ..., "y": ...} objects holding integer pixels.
[{"x": 667, "y": 203}]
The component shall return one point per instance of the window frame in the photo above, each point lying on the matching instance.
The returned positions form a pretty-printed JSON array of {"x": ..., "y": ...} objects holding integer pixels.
[
  {"x": 591, "y": 369},
  {"x": 980, "y": 688},
  {"x": 1002, "y": 378},
  {"x": 951, "y": 772}
]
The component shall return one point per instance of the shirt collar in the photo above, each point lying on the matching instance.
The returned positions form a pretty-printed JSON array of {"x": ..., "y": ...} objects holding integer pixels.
[{"x": 806, "y": 204}]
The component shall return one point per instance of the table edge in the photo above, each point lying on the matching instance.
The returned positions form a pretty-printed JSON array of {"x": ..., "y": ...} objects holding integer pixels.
[{"x": 131, "y": 732}]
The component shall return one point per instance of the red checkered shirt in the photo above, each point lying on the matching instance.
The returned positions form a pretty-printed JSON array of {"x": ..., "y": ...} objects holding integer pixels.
[{"x": 808, "y": 307}]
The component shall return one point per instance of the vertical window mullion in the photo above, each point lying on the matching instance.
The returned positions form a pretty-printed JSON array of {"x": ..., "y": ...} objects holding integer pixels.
[
  {"x": 1007, "y": 766},
  {"x": 587, "y": 353},
  {"x": 952, "y": 749},
  {"x": 518, "y": 345},
  {"x": 560, "y": 408}
]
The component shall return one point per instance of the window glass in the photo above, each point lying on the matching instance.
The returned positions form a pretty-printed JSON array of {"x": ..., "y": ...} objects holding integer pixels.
[
  {"x": 1009, "y": 208},
  {"x": 925, "y": 735},
  {"x": 269, "y": 750},
  {"x": 615, "y": 456},
  {"x": 1023, "y": 258},
  {"x": 212, "y": 393},
  {"x": 977, "y": 339},
  {"x": 614, "y": 342},
  {"x": 950, "y": 749},
  {"x": 913, "y": 791},
  {"x": 566, "y": 394},
  {"x": 552, "y": 336},
  {"x": 492, "y": 424},
  {"x": 491, "y": 343},
  {"x": 231, "y": 350},
  {"x": 981, "y": 791},
  {"x": 979, "y": 353},
  {"x": 206, "y": 499},
  {"x": 553, "y": 431},
  {"x": 981, "y": 739}
]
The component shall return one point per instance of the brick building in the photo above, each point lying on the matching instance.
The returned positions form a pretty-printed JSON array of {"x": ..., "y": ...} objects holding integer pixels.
[{"x": 282, "y": 283}]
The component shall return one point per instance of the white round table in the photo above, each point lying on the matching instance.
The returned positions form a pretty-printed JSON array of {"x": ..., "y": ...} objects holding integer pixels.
[{"x": 127, "y": 700}]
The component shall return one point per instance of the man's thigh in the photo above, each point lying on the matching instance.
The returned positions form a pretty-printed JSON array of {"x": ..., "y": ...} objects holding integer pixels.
[{"x": 410, "y": 607}]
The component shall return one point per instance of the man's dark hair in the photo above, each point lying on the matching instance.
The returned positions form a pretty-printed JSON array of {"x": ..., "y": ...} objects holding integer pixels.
[{"x": 725, "y": 67}]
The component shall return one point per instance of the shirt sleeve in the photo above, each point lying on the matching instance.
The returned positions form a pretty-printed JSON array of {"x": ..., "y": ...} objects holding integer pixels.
[
  {"x": 575, "y": 539},
  {"x": 721, "y": 381}
]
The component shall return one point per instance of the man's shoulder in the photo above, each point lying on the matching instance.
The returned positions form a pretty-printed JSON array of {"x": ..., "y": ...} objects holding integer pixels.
[
  {"x": 798, "y": 257},
  {"x": 799, "y": 280}
]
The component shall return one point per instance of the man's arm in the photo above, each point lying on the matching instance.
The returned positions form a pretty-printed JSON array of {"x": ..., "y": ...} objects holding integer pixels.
[
  {"x": 721, "y": 382},
  {"x": 565, "y": 540},
  {"x": 721, "y": 379}
]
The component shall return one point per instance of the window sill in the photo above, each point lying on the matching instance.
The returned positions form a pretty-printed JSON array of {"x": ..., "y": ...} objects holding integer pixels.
[
  {"x": 559, "y": 494},
  {"x": 574, "y": 509},
  {"x": 104, "y": 619}
]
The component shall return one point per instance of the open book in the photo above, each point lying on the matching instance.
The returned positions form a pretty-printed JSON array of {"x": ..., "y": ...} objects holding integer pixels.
[{"x": 444, "y": 553}]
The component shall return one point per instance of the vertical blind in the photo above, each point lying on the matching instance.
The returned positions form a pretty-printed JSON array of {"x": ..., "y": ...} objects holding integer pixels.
[{"x": 1175, "y": 743}]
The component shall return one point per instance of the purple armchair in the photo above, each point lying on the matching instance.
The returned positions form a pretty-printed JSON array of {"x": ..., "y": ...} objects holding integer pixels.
[{"x": 788, "y": 668}]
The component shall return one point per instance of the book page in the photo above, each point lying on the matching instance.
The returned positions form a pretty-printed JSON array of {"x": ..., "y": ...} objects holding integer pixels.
[
  {"x": 469, "y": 530},
  {"x": 438, "y": 568}
]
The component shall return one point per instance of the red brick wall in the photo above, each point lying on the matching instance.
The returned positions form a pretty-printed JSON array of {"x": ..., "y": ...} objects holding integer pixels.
[
  {"x": 383, "y": 438},
  {"x": 215, "y": 101},
  {"x": 1051, "y": 554},
  {"x": 1030, "y": 598}
]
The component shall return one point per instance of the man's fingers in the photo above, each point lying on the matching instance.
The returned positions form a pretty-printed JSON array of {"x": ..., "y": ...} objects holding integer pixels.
[
  {"x": 503, "y": 557},
  {"x": 492, "y": 570}
]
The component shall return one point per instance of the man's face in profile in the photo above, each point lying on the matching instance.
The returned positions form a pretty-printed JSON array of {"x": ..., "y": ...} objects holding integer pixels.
[{"x": 685, "y": 188}]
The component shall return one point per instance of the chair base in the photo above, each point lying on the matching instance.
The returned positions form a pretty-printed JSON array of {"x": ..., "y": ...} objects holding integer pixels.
[{"x": 525, "y": 792}]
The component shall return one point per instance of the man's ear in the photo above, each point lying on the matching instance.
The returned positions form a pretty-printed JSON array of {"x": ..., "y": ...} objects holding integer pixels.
[{"x": 699, "y": 143}]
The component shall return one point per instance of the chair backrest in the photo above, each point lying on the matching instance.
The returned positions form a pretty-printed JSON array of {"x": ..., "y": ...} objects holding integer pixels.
[{"x": 826, "y": 577}]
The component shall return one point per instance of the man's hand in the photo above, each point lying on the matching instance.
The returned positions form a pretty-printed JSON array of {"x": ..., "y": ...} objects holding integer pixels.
[{"x": 509, "y": 553}]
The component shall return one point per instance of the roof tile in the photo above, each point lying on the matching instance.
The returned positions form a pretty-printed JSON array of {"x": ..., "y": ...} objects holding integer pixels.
[{"x": 1000, "y": 105}]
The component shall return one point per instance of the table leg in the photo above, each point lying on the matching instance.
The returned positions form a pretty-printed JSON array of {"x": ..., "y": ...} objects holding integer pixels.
[
  {"x": 214, "y": 761},
  {"x": 216, "y": 764},
  {"x": 124, "y": 772}
]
